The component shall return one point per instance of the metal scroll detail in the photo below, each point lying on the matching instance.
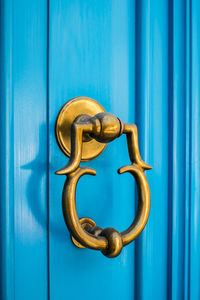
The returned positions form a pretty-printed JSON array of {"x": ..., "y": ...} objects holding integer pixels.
[{"x": 103, "y": 128}]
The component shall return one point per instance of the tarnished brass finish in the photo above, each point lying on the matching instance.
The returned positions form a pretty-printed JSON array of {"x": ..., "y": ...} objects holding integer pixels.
[{"x": 103, "y": 128}]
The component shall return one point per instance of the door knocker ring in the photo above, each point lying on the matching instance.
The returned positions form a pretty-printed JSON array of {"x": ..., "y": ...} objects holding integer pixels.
[{"x": 83, "y": 130}]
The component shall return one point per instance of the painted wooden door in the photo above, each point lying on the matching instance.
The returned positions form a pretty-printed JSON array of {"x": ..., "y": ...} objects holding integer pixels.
[{"x": 141, "y": 61}]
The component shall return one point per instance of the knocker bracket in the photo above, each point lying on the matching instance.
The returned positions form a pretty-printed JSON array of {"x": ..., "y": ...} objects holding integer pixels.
[
  {"x": 67, "y": 115},
  {"x": 83, "y": 130}
]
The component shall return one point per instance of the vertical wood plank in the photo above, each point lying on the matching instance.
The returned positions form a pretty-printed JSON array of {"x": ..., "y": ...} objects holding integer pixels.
[
  {"x": 6, "y": 154},
  {"x": 30, "y": 148},
  {"x": 195, "y": 153},
  {"x": 177, "y": 149},
  {"x": 188, "y": 151},
  {"x": 92, "y": 54},
  {"x": 23, "y": 236},
  {"x": 152, "y": 120}
]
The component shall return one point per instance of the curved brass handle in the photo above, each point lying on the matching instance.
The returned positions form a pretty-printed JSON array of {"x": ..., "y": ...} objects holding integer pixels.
[{"x": 102, "y": 127}]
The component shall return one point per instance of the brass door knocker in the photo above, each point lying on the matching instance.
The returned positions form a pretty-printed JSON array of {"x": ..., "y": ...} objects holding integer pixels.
[{"x": 83, "y": 130}]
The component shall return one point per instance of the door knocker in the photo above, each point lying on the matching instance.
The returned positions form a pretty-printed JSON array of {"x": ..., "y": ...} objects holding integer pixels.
[{"x": 83, "y": 130}]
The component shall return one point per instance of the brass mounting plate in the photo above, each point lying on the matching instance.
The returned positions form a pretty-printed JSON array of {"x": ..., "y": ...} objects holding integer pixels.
[
  {"x": 85, "y": 222},
  {"x": 68, "y": 113}
]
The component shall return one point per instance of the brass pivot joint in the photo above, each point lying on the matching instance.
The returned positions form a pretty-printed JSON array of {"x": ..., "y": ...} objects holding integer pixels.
[
  {"x": 106, "y": 127},
  {"x": 83, "y": 130}
]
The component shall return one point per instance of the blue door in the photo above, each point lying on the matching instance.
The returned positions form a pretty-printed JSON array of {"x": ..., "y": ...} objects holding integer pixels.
[{"x": 141, "y": 61}]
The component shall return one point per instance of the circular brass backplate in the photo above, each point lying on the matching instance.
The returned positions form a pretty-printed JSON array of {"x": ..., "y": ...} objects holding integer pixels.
[
  {"x": 68, "y": 113},
  {"x": 85, "y": 222}
]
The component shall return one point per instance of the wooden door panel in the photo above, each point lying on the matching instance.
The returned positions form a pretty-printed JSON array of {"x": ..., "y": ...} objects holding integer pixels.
[{"x": 140, "y": 60}]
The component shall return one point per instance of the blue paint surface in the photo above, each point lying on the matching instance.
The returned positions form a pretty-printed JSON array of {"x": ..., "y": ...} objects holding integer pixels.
[
  {"x": 152, "y": 120},
  {"x": 23, "y": 133},
  {"x": 141, "y": 61},
  {"x": 92, "y": 54}
]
